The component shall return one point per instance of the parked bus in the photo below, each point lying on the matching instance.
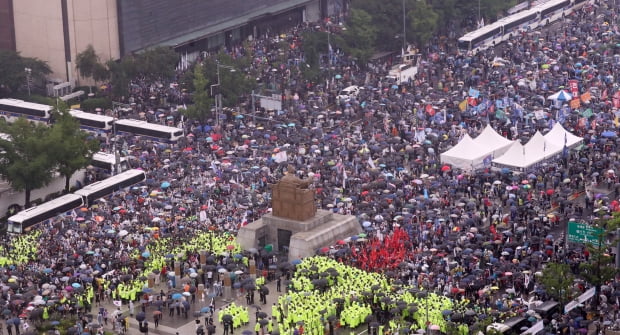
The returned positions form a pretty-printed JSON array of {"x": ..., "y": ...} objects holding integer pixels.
[
  {"x": 25, "y": 220},
  {"x": 505, "y": 28},
  {"x": 94, "y": 123},
  {"x": 105, "y": 187},
  {"x": 12, "y": 201},
  {"x": 105, "y": 162},
  {"x": 12, "y": 109},
  {"x": 151, "y": 131}
]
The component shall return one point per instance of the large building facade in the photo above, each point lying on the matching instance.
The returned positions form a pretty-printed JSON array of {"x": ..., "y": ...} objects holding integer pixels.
[{"x": 57, "y": 30}]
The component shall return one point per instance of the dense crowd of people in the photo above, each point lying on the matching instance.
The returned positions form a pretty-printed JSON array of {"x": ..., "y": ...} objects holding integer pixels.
[{"x": 482, "y": 235}]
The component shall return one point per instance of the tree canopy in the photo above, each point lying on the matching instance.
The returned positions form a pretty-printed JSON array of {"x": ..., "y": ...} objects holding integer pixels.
[
  {"x": 423, "y": 19},
  {"x": 12, "y": 70},
  {"x": 71, "y": 147},
  {"x": 27, "y": 161},
  {"x": 201, "y": 108},
  {"x": 557, "y": 279}
]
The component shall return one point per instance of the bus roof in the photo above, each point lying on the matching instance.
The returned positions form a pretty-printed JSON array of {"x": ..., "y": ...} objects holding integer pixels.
[
  {"x": 109, "y": 182},
  {"x": 25, "y": 104},
  {"x": 78, "y": 113},
  {"x": 44, "y": 207},
  {"x": 144, "y": 124},
  {"x": 106, "y": 157},
  {"x": 473, "y": 34}
]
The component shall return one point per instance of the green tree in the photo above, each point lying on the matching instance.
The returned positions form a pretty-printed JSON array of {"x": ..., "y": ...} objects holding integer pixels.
[
  {"x": 423, "y": 23},
  {"x": 70, "y": 148},
  {"x": 86, "y": 62},
  {"x": 314, "y": 44},
  {"x": 234, "y": 79},
  {"x": 12, "y": 70},
  {"x": 360, "y": 35},
  {"x": 201, "y": 108},
  {"x": 26, "y": 160},
  {"x": 601, "y": 267},
  {"x": 121, "y": 72},
  {"x": 557, "y": 279},
  {"x": 387, "y": 19},
  {"x": 157, "y": 63}
]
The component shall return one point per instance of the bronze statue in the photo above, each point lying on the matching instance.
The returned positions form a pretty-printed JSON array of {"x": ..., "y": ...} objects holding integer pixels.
[
  {"x": 291, "y": 197},
  {"x": 291, "y": 179}
]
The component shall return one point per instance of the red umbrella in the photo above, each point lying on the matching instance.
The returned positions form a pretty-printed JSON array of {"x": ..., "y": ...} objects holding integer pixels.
[
  {"x": 324, "y": 250},
  {"x": 341, "y": 242},
  {"x": 445, "y": 168},
  {"x": 550, "y": 191}
]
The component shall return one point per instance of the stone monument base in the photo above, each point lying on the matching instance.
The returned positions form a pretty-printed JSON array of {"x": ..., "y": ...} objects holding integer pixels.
[{"x": 300, "y": 238}]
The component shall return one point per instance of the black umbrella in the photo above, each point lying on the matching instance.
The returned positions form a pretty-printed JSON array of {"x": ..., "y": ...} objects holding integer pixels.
[{"x": 140, "y": 316}]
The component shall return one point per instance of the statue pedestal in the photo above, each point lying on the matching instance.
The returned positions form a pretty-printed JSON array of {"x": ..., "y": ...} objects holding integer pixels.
[
  {"x": 301, "y": 238},
  {"x": 289, "y": 201},
  {"x": 295, "y": 226}
]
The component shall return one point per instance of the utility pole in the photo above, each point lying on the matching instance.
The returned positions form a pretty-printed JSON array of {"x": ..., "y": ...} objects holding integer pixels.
[
  {"x": 28, "y": 74},
  {"x": 405, "y": 29},
  {"x": 253, "y": 108}
]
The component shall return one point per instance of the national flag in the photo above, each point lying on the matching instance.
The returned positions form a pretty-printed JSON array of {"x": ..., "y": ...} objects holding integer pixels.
[
  {"x": 371, "y": 163},
  {"x": 280, "y": 157},
  {"x": 487, "y": 160},
  {"x": 474, "y": 93},
  {"x": 565, "y": 149},
  {"x": 463, "y": 105}
]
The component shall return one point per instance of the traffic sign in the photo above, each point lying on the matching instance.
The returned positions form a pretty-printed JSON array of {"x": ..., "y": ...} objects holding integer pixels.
[{"x": 579, "y": 232}]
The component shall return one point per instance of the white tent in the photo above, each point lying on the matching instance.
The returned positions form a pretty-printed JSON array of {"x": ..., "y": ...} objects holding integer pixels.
[
  {"x": 493, "y": 143},
  {"x": 560, "y": 137},
  {"x": 521, "y": 157},
  {"x": 538, "y": 149},
  {"x": 465, "y": 155},
  {"x": 513, "y": 158}
]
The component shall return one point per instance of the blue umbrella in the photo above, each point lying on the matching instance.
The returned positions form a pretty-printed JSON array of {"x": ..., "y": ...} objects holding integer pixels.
[
  {"x": 76, "y": 285},
  {"x": 165, "y": 184},
  {"x": 205, "y": 310},
  {"x": 177, "y": 296},
  {"x": 296, "y": 261},
  {"x": 146, "y": 254},
  {"x": 609, "y": 133},
  {"x": 366, "y": 224},
  {"x": 48, "y": 270}
]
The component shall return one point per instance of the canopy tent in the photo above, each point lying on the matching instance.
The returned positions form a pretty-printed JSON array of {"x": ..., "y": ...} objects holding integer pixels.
[
  {"x": 520, "y": 157},
  {"x": 494, "y": 143},
  {"x": 561, "y": 95},
  {"x": 513, "y": 158},
  {"x": 465, "y": 155},
  {"x": 561, "y": 137}
]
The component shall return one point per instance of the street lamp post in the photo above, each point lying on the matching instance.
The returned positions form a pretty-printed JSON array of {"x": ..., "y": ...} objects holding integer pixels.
[
  {"x": 28, "y": 74},
  {"x": 404, "y": 29},
  {"x": 218, "y": 97},
  {"x": 479, "y": 12}
]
